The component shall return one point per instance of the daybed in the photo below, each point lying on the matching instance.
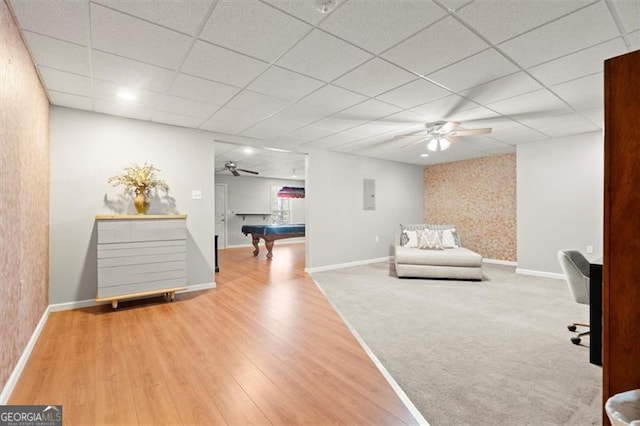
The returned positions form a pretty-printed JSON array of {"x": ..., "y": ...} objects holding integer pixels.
[{"x": 443, "y": 259}]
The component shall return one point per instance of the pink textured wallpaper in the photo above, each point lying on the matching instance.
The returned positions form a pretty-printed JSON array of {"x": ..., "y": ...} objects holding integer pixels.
[
  {"x": 479, "y": 197},
  {"x": 24, "y": 188}
]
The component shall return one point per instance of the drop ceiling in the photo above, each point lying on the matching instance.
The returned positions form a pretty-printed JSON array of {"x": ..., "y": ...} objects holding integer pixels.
[{"x": 280, "y": 74}]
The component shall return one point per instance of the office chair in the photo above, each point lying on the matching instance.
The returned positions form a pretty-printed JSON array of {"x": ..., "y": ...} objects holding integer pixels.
[{"x": 576, "y": 268}]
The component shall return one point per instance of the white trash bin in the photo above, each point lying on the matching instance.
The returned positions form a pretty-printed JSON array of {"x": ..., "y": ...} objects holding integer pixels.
[{"x": 623, "y": 408}]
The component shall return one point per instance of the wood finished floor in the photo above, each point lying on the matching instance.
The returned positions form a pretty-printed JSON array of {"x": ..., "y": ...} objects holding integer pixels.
[{"x": 265, "y": 347}]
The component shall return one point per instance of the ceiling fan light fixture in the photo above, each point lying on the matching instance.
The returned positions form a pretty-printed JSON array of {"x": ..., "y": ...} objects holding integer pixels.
[
  {"x": 433, "y": 145},
  {"x": 444, "y": 144}
]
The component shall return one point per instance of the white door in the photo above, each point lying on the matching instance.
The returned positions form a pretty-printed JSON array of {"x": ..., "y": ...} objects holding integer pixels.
[{"x": 221, "y": 214}]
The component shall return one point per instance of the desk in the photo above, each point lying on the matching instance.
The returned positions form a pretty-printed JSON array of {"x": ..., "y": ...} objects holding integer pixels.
[
  {"x": 270, "y": 233},
  {"x": 595, "y": 312}
]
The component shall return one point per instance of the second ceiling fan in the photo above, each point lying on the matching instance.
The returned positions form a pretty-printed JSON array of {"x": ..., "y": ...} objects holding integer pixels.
[{"x": 441, "y": 134}]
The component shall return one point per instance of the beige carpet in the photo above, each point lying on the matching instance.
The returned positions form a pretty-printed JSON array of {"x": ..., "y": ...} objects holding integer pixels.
[{"x": 495, "y": 352}]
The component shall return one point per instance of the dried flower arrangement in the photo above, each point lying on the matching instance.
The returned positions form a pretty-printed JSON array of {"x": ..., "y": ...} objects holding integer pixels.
[{"x": 139, "y": 178}]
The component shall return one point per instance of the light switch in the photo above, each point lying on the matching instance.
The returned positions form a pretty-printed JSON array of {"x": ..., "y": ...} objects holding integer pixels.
[
  {"x": 589, "y": 249},
  {"x": 196, "y": 194}
]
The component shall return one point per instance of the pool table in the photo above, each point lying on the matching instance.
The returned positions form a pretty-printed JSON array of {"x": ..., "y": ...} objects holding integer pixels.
[{"x": 270, "y": 233}]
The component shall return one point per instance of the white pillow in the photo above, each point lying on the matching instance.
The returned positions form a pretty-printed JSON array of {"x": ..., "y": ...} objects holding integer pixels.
[
  {"x": 413, "y": 239},
  {"x": 447, "y": 239}
]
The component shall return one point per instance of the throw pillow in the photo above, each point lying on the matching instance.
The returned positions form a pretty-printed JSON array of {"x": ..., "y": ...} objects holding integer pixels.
[
  {"x": 429, "y": 240},
  {"x": 447, "y": 238},
  {"x": 412, "y": 239}
]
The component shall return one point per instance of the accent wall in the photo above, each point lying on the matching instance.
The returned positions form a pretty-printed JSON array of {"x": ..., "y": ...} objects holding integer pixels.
[
  {"x": 478, "y": 196},
  {"x": 24, "y": 188}
]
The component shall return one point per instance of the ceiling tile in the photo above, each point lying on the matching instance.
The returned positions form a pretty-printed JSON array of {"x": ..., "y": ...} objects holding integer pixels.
[
  {"x": 374, "y": 77},
  {"x": 304, "y": 10},
  {"x": 175, "y": 119},
  {"x": 184, "y": 16},
  {"x": 378, "y": 25},
  {"x": 441, "y": 109},
  {"x": 187, "y": 107},
  {"x": 595, "y": 115},
  {"x": 133, "y": 38},
  {"x": 270, "y": 128},
  {"x": 266, "y": 32},
  {"x": 300, "y": 113},
  {"x": 129, "y": 72},
  {"x": 61, "y": 19},
  {"x": 323, "y": 56},
  {"x": 417, "y": 92},
  {"x": 199, "y": 89},
  {"x": 228, "y": 120},
  {"x": 225, "y": 66},
  {"x": 500, "y": 20},
  {"x": 121, "y": 110},
  {"x": 562, "y": 125},
  {"x": 373, "y": 128},
  {"x": 533, "y": 105},
  {"x": 332, "y": 99},
  {"x": 477, "y": 69},
  {"x": 71, "y": 101},
  {"x": 109, "y": 91},
  {"x": 635, "y": 40},
  {"x": 369, "y": 110},
  {"x": 502, "y": 88},
  {"x": 331, "y": 141},
  {"x": 284, "y": 84},
  {"x": 66, "y": 82},
  {"x": 445, "y": 42},
  {"x": 587, "y": 27},
  {"x": 338, "y": 123},
  {"x": 58, "y": 54},
  {"x": 257, "y": 103},
  {"x": 583, "y": 93},
  {"x": 581, "y": 63},
  {"x": 629, "y": 12},
  {"x": 311, "y": 132}
]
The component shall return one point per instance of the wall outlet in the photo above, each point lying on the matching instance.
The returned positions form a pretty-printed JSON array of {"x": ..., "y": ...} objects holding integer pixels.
[
  {"x": 589, "y": 249},
  {"x": 196, "y": 194}
]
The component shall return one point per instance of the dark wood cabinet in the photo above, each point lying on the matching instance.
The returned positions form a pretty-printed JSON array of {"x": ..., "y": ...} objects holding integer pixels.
[{"x": 621, "y": 260}]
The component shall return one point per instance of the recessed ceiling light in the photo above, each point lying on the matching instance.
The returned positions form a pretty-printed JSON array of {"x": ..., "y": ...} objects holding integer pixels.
[
  {"x": 127, "y": 96},
  {"x": 424, "y": 155},
  {"x": 248, "y": 150}
]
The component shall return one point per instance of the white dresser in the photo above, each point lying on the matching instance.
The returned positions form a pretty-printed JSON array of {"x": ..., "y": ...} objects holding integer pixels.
[{"x": 141, "y": 255}]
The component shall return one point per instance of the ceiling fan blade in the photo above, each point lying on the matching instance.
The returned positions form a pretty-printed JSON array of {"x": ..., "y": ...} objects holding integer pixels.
[
  {"x": 415, "y": 142},
  {"x": 235, "y": 172},
  {"x": 455, "y": 133},
  {"x": 448, "y": 126},
  {"x": 249, "y": 171},
  {"x": 404, "y": 135}
]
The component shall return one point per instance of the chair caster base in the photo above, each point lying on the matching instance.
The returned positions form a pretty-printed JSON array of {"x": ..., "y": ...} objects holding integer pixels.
[
  {"x": 576, "y": 340},
  {"x": 571, "y": 327}
]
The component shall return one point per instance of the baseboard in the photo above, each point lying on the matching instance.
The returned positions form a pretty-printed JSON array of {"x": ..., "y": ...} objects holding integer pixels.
[
  {"x": 500, "y": 262},
  {"x": 540, "y": 274},
  {"x": 347, "y": 265},
  {"x": 22, "y": 361},
  {"x": 79, "y": 304}
]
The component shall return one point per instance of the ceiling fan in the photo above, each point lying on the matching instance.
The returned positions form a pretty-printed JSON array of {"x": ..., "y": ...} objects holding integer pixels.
[
  {"x": 441, "y": 134},
  {"x": 233, "y": 168}
]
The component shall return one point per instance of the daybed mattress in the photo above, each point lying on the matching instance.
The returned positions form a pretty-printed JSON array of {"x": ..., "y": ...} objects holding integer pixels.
[{"x": 447, "y": 257}]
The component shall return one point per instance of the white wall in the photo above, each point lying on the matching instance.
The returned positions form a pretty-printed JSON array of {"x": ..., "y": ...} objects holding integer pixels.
[
  {"x": 240, "y": 191},
  {"x": 88, "y": 148},
  {"x": 338, "y": 229},
  {"x": 560, "y": 189}
]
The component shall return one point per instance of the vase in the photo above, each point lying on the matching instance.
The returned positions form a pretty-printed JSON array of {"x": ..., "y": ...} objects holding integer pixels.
[{"x": 141, "y": 202}]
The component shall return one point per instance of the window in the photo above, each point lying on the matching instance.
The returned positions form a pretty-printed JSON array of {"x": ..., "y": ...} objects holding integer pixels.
[{"x": 280, "y": 208}]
